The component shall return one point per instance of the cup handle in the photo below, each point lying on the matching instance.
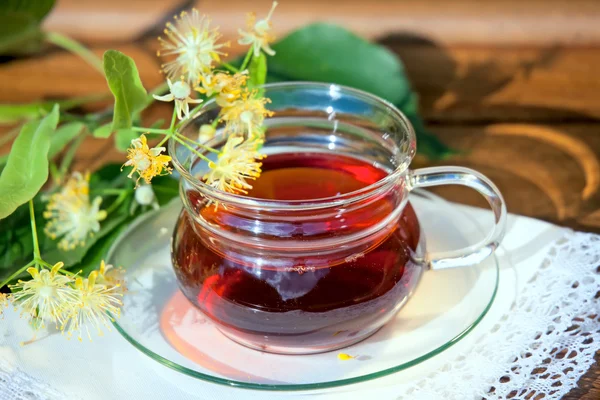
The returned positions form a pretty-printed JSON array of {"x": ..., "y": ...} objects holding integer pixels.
[{"x": 434, "y": 176}]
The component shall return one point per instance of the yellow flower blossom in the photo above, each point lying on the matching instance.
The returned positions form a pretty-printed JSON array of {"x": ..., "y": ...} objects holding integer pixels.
[
  {"x": 70, "y": 214},
  {"x": 259, "y": 33},
  {"x": 193, "y": 44},
  {"x": 180, "y": 91},
  {"x": 93, "y": 303},
  {"x": 111, "y": 276},
  {"x": 237, "y": 162},
  {"x": 228, "y": 88},
  {"x": 147, "y": 162},
  {"x": 46, "y": 296},
  {"x": 246, "y": 115}
]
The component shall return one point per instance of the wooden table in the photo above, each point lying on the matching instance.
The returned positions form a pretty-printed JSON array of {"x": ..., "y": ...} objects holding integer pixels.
[{"x": 514, "y": 85}]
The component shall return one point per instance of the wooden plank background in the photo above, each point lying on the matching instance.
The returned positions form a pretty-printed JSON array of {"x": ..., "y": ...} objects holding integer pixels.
[{"x": 513, "y": 84}]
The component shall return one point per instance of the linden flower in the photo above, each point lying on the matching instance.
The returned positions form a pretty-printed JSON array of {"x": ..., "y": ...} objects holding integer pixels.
[
  {"x": 236, "y": 163},
  {"x": 246, "y": 115},
  {"x": 180, "y": 92},
  {"x": 147, "y": 162},
  {"x": 93, "y": 302},
  {"x": 70, "y": 214},
  {"x": 194, "y": 45},
  {"x": 46, "y": 296},
  {"x": 111, "y": 276},
  {"x": 227, "y": 87},
  {"x": 258, "y": 34}
]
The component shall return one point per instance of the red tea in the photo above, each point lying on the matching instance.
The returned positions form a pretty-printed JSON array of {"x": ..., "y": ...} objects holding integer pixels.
[{"x": 276, "y": 308}]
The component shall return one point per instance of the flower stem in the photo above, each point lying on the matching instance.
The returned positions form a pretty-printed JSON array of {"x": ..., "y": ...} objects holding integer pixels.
[
  {"x": 164, "y": 140},
  {"x": 36, "y": 246},
  {"x": 193, "y": 112},
  {"x": 180, "y": 136},
  {"x": 68, "y": 159},
  {"x": 150, "y": 130},
  {"x": 117, "y": 202},
  {"x": 173, "y": 120},
  {"x": 75, "y": 47},
  {"x": 16, "y": 273},
  {"x": 230, "y": 67},
  {"x": 190, "y": 148},
  {"x": 247, "y": 58},
  {"x": 108, "y": 191}
]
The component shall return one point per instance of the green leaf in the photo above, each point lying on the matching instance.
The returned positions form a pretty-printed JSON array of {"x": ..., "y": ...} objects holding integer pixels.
[
  {"x": 63, "y": 135},
  {"x": 36, "y": 9},
  {"x": 157, "y": 124},
  {"x": 329, "y": 53},
  {"x": 165, "y": 188},
  {"x": 20, "y": 25},
  {"x": 103, "y": 131},
  {"x": 19, "y": 33},
  {"x": 12, "y": 113},
  {"x": 257, "y": 71},
  {"x": 16, "y": 243},
  {"x": 26, "y": 170},
  {"x": 123, "y": 139},
  {"x": 125, "y": 84},
  {"x": 427, "y": 143}
]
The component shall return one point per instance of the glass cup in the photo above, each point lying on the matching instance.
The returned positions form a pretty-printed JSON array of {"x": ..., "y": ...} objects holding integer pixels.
[{"x": 308, "y": 276}]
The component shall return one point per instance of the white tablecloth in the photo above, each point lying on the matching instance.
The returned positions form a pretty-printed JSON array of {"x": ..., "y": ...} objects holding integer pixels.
[{"x": 110, "y": 368}]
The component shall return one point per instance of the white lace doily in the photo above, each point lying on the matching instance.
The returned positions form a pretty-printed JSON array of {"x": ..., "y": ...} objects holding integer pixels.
[
  {"x": 19, "y": 385},
  {"x": 543, "y": 345}
]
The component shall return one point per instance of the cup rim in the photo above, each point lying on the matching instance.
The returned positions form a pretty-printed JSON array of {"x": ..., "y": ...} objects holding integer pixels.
[{"x": 324, "y": 202}]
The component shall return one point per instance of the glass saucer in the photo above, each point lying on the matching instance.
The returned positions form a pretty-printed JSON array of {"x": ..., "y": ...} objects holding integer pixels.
[{"x": 159, "y": 321}]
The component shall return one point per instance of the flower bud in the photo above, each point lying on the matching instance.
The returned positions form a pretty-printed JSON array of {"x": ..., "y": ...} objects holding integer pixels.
[
  {"x": 206, "y": 133},
  {"x": 144, "y": 195}
]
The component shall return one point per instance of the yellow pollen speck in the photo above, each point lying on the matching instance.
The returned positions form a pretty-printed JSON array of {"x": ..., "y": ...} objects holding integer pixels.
[{"x": 345, "y": 357}]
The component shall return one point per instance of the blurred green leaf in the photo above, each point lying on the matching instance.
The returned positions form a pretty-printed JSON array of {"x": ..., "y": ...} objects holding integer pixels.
[
  {"x": 12, "y": 113},
  {"x": 157, "y": 124},
  {"x": 103, "y": 131},
  {"x": 26, "y": 169},
  {"x": 36, "y": 9},
  {"x": 63, "y": 135},
  {"x": 19, "y": 33},
  {"x": 20, "y": 25},
  {"x": 329, "y": 53},
  {"x": 257, "y": 71},
  {"x": 125, "y": 84},
  {"x": 16, "y": 245},
  {"x": 123, "y": 139},
  {"x": 165, "y": 188}
]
